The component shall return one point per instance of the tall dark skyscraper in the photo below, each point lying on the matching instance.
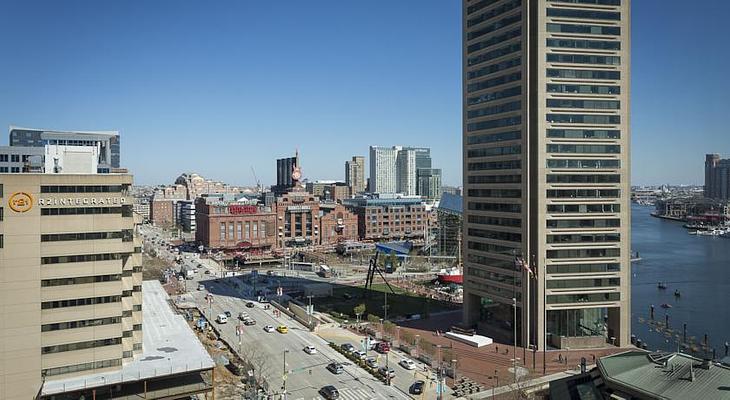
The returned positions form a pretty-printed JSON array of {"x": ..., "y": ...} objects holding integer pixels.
[{"x": 546, "y": 171}]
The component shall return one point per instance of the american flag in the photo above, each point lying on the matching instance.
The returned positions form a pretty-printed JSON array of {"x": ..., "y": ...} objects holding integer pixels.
[{"x": 521, "y": 263}]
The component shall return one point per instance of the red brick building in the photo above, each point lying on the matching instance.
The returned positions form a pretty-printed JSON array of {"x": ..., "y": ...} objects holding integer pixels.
[
  {"x": 389, "y": 218},
  {"x": 297, "y": 217},
  {"x": 336, "y": 223},
  {"x": 234, "y": 225},
  {"x": 162, "y": 212}
]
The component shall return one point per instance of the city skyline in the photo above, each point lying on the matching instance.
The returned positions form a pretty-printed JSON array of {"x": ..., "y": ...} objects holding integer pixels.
[{"x": 162, "y": 101}]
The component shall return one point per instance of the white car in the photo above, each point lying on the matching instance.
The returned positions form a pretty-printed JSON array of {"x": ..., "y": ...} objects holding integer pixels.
[
  {"x": 201, "y": 287},
  {"x": 407, "y": 364},
  {"x": 360, "y": 354},
  {"x": 269, "y": 328},
  {"x": 222, "y": 318},
  {"x": 310, "y": 350}
]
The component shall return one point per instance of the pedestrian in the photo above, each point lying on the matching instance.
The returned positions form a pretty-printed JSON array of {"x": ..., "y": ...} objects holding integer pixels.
[
  {"x": 496, "y": 349},
  {"x": 560, "y": 358}
]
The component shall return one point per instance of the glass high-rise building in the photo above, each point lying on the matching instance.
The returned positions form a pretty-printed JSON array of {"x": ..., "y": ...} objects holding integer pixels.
[{"x": 546, "y": 171}]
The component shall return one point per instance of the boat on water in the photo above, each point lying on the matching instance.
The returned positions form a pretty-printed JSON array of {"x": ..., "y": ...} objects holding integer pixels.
[
  {"x": 677, "y": 293},
  {"x": 661, "y": 285},
  {"x": 450, "y": 275},
  {"x": 666, "y": 305}
]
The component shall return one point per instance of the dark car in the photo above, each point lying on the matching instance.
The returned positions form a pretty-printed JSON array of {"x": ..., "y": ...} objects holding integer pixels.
[
  {"x": 384, "y": 371},
  {"x": 335, "y": 368},
  {"x": 228, "y": 313},
  {"x": 249, "y": 322},
  {"x": 329, "y": 392},
  {"x": 347, "y": 347},
  {"x": 417, "y": 387},
  {"x": 250, "y": 305}
]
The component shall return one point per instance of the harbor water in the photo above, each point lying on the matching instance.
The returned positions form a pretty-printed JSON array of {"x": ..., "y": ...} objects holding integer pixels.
[{"x": 695, "y": 266}]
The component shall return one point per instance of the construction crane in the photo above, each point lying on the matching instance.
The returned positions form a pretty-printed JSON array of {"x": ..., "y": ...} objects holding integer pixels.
[{"x": 258, "y": 182}]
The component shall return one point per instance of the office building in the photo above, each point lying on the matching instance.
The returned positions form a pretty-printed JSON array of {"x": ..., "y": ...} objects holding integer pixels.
[
  {"x": 389, "y": 218},
  {"x": 717, "y": 177},
  {"x": 406, "y": 172},
  {"x": 428, "y": 184},
  {"x": 331, "y": 191},
  {"x": 383, "y": 169},
  {"x": 355, "y": 175},
  {"x": 288, "y": 172},
  {"x": 336, "y": 224},
  {"x": 546, "y": 171},
  {"x": 450, "y": 222},
  {"x": 106, "y": 143}
]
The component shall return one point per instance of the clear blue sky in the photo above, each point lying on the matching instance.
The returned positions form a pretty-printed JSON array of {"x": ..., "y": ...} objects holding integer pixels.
[{"x": 218, "y": 87}]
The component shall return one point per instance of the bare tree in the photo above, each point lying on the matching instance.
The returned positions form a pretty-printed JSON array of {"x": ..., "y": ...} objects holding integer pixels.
[{"x": 259, "y": 362}]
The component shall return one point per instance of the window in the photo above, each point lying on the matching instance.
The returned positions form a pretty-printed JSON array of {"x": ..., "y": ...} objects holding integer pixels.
[
  {"x": 480, "y": 5},
  {"x": 584, "y": 133},
  {"x": 82, "y": 367},
  {"x": 80, "y": 280},
  {"x": 582, "y": 119},
  {"x": 247, "y": 231},
  {"x": 60, "y": 237},
  {"x": 583, "y": 268},
  {"x": 3, "y": 169},
  {"x": 584, "y": 44},
  {"x": 500, "y": 80},
  {"x": 496, "y": 39},
  {"x": 587, "y": 179},
  {"x": 80, "y": 302},
  {"x": 500, "y": 94},
  {"x": 494, "y": 207},
  {"x": 15, "y": 158},
  {"x": 600, "y": 2},
  {"x": 82, "y": 211},
  {"x": 80, "y": 324},
  {"x": 85, "y": 189},
  {"x": 223, "y": 231},
  {"x": 582, "y": 283},
  {"x": 582, "y": 89},
  {"x": 490, "y": 247},
  {"x": 2, "y": 242},
  {"x": 495, "y": 193},
  {"x": 494, "y": 151},
  {"x": 494, "y": 26},
  {"x": 496, "y": 53},
  {"x": 583, "y": 208},
  {"x": 588, "y": 14},
  {"x": 583, "y": 59},
  {"x": 255, "y": 230},
  {"x": 583, "y": 298},
  {"x": 479, "y": 179},
  {"x": 584, "y": 29},
  {"x": 498, "y": 221},
  {"x": 583, "y": 253},
  {"x": 583, "y": 223},
  {"x": 83, "y": 258},
  {"x": 497, "y": 109},
  {"x": 80, "y": 345},
  {"x": 15, "y": 170},
  {"x": 494, "y": 137},
  {"x": 239, "y": 231},
  {"x": 585, "y": 238},
  {"x": 494, "y": 165},
  {"x": 496, "y": 235},
  {"x": 593, "y": 104},
  {"x": 584, "y": 148},
  {"x": 580, "y": 164},
  {"x": 263, "y": 229},
  {"x": 511, "y": 5},
  {"x": 494, "y": 123},
  {"x": 231, "y": 231},
  {"x": 582, "y": 193}
]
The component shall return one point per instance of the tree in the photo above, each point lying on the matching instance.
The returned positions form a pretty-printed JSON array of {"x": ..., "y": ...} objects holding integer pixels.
[
  {"x": 389, "y": 327},
  {"x": 373, "y": 318},
  {"x": 359, "y": 310},
  {"x": 259, "y": 362}
]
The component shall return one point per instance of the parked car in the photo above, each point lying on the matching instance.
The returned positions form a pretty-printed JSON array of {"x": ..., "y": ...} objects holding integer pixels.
[
  {"x": 360, "y": 354},
  {"x": 282, "y": 329},
  {"x": 207, "y": 271},
  {"x": 386, "y": 372},
  {"x": 250, "y": 305},
  {"x": 371, "y": 362},
  {"x": 310, "y": 350},
  {"x": 201, "y": 287},
  {"x": 242, "y": 316},
  {"x": 336, "y": 368},
  {"x": 269, "y": 328},
  {"x": 228, "y": 313},
  {"x": 249, "y": 322},
  {"x": 417, "y": 387},
  {"x": 407, "y": 364},
  {"x": 222, "y": 319},
  {"x": 329, "y": 392},
  {"x": 347, "y": 347}
]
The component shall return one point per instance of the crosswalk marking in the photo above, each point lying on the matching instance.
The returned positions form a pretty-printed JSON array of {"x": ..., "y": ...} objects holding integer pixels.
[{"x": 351, "y": 394}]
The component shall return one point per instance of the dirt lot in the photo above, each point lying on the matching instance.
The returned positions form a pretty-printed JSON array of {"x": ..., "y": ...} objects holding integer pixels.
[{"x": 153, "y": 267}]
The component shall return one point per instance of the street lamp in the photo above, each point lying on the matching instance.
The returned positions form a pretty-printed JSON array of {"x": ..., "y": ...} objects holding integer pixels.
[{"x": 284, "y": 376}]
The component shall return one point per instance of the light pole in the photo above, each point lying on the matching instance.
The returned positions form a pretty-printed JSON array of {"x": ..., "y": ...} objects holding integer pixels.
[
  {"x": 309, "y": 312},
  {"x": 283, "y": 395},
  {"x": 514, "y": 346},
  {"x": 453, "y": 364}
]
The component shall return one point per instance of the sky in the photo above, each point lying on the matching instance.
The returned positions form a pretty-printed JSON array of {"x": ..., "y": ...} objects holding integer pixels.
[{"x": 223, "y": 87}]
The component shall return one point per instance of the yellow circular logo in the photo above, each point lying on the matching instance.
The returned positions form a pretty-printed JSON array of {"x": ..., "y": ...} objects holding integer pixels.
[{"x": 20, "y": 202}]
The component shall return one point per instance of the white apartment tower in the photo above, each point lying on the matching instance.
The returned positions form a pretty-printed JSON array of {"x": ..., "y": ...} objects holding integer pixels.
[
  {"x": 546, "y": 171},
  {"x": 383, "y": 169}
]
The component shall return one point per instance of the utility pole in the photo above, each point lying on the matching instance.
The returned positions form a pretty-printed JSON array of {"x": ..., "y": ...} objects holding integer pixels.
[
  {"x": 283, "y": 395},
  {"x": 514, "y": 347},
  {"x": 385, "y": 307},
  {"x": 310, "y": 310}
]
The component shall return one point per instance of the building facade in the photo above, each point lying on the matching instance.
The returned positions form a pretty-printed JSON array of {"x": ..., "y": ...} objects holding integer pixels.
[
  {"x": 336, "y": 224},
  {"x": 717, "y": 177},
  {"x": 383, "y": 169},
  {"x": 389, "y": 218},
  {"x": 286, "y": 178},
  {"x": 406, "y": 172},
  {"x": 429, "y": 183},
  {"x": 106, "y": 142},
  {"x": 355, "y": 175},
  {"x": 162, "y": 212},
  {"x": 242, "y": 225},
  {"x": 329, "y": 190},
  {"x": 546, "y": 171},
  {"x": 72, "y": 276},
  {"x": 297, "y": 216}
]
